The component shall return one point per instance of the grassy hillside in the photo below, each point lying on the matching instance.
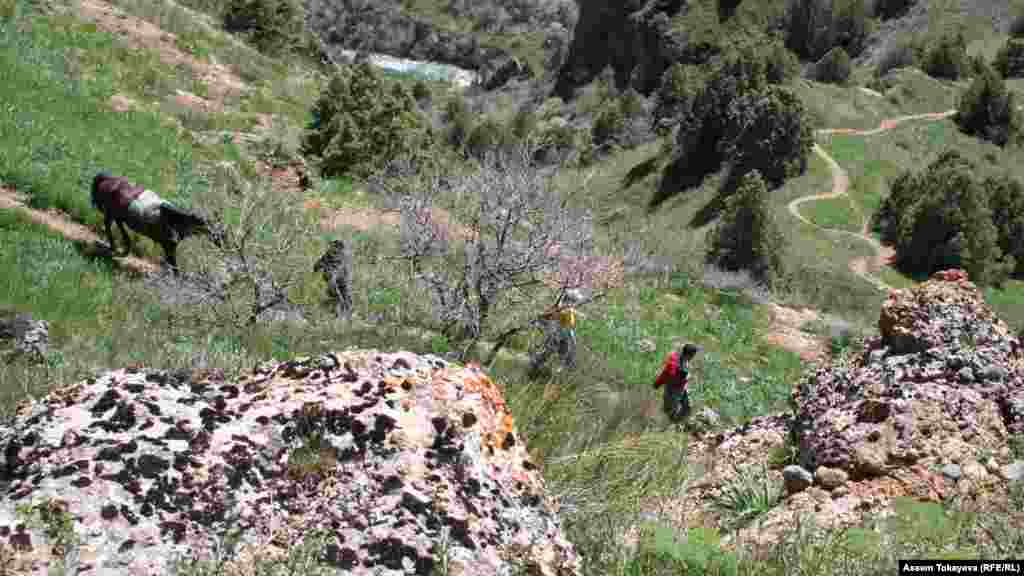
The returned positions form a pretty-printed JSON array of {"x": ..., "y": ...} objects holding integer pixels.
[{"x": 598, "y": 430}]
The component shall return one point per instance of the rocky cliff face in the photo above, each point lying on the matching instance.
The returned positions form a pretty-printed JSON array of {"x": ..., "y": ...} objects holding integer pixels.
[
  {"x": 634, "y": 37},
  {"x": 389, "y": 454}
]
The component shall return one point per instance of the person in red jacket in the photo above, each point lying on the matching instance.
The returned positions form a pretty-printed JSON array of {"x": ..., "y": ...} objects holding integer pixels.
[{"x": 674, "y": 376}]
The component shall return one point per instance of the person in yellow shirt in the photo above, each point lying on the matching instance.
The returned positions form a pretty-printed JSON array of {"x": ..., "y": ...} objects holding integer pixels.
[{"x": 560, "y": 333}]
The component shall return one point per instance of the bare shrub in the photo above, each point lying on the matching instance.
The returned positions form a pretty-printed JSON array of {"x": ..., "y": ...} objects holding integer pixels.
[
  {"x": 492, "y": 243},
  {"x": 261, "y": 260}
]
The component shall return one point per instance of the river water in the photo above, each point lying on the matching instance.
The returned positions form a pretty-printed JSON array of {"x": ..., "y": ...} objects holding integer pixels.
[{"x": 428, "y": 70}]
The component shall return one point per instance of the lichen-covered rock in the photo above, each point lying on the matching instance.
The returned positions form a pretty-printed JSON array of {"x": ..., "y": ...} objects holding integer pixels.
[
  {"x": 933, "y": 388},
  {"x": 386, "y": 453},
  {"x": 830, "y": 478},
  {"x": 796, "y": 479}
]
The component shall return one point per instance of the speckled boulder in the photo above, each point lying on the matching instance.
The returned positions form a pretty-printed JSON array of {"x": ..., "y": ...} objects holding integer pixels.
[
  {"x": 936, "y": 386},
  {"x": 407, "y": 450}
]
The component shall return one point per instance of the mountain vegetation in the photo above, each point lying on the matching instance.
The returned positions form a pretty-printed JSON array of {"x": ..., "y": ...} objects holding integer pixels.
[{"x": 755, "y": 177}]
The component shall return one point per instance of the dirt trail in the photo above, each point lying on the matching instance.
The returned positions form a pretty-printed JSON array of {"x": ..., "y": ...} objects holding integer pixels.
[
  {"x": 141, "y": 34},
  {"x": 11, "y": 200},
  {"x": 841, "y": 185}
]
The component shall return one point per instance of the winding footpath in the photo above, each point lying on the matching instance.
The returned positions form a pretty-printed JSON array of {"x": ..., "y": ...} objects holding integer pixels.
[
  {"x": 840, "y": 187},
  {"x": 11, "y": 200}
]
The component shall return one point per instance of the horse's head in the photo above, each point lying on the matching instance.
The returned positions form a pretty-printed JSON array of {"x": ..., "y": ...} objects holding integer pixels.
[
  {"x": 101, "y": 176},
  {"x": 185, "y": 223}
]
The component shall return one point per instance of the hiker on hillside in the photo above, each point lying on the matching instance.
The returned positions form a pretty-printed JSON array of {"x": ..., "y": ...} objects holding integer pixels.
[
  {"x": 559, "y": 332},
  {"x": 674, "y": 376},
  {"x": 336, "y": 267}
]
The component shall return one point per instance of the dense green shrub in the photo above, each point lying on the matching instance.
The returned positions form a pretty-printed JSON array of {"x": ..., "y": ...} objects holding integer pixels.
[
  {"x": 768, "y": 131},
  {"x": 947, "y": 57},
  {"x": 834, "y": 66},
  {"x": 940, "y": 219},
  {"x": 886, "y": 9},
  {"x": 988, "y": 110},
  {"x": 631, "y": 103},
  {"x": 1009, "y": 61},
  {"x": 817, "y": 26},
  {"x": 523, "y": 123},
  {"x": 748, "y": 236},
  {"x": 421, "y": 92},
  {"x": 700, "y": 141},
  {"x": 459, "y": 121},
  {"x": 781, "y": 65},
  {"x": 362, "y": 124},
  {"x": 485, "y": 138},
  {"x": 679, "y": 87},
  {"x": 1006, "y": 200},
  {"x": 274, "y": 27},
  {"x": 852, "y": 25},
  {"x": 609, "y": 124}
]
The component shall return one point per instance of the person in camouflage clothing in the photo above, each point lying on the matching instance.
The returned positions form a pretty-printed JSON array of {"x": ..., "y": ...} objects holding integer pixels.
[{"x": 335, "y": 266}]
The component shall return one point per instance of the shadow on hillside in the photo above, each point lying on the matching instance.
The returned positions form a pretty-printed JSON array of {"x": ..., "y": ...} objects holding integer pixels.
[
  {"x": 640, "y": 172},
  {"x": 714, "y": 208}
]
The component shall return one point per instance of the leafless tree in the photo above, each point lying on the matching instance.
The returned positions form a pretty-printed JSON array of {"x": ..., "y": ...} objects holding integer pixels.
[
  {"x": 492, "y": 244},
  {"x": 249, "y": 276}
]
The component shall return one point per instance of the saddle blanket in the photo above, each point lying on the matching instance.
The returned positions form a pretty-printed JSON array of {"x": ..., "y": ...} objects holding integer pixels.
[{"x": 146, "y": 206}]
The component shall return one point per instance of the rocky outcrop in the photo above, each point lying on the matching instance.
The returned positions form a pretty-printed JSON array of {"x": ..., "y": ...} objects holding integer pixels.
[
  {"x": 389, "y": 454},
  {"x": 634, "y": 37},
  {"x": 942, "y": 382}
]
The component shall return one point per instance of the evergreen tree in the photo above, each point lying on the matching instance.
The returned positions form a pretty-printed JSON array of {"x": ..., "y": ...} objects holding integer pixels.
[
  {"x": 1006, "y": 200},
  {"x": 768, "y": 131},
  {"x": 361, "y": 124},
  {"x": 987, "y": 110},
  {"x": 944, "y": 221},
  {"x": 748, "y": 237}
]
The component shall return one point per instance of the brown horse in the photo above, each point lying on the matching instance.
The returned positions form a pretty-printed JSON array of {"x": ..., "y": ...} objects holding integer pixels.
[{"x": 146, "y": 213}]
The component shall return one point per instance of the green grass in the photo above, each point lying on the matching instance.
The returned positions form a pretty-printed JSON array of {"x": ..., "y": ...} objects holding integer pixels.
[
  {"x": 62, "y": 129},
  {"x": 869, "y": 173},
  {"x": 833, "y": 213},
  {"x": 895, "y": 278},
  {"x": 728, "y": 329},
  {"x": 1008, "y": 302}
]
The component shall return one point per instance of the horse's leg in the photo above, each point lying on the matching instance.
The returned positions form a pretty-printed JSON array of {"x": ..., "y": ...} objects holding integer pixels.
[
  {"x": 107, "y": 219},
  {"x": 170, "y": 254},
  {"x": 127, "y": 238}
]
